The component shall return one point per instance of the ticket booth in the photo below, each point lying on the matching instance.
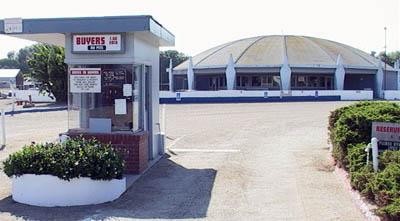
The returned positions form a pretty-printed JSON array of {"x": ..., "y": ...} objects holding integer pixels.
[{"x": 113, "y": 78}]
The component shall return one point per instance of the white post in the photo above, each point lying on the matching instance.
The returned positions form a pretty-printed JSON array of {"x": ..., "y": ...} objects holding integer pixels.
[
  {"x": 163, "y": 118},
  {"x": 374, "y": 144},
  {"x": 12, "y": 99},
  {"x": 190, "y": 75},
  {"x": 339, "y": 74},
  {"x": 170, "y": 76},
  {"x": 3, "y": 128},
  {"x": 379, "y": 81},
  {"x": 230, "y": 74}
]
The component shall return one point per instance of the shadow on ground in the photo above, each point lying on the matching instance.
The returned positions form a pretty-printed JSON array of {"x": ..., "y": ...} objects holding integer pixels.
[{"x": 166, "y": 191}]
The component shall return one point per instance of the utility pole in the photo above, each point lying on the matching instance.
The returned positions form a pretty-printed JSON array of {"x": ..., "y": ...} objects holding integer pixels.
[{"x": 385, "y": 60}]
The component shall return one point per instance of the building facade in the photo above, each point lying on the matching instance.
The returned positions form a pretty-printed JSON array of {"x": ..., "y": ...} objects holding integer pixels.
[{"x": 283, "y": 62}]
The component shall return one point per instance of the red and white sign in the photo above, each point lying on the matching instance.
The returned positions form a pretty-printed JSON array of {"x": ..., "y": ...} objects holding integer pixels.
[
  {"x": 388, "y": 135},
  {"x": 97, "y": 43},
  {"x": 85, "y": 80}
]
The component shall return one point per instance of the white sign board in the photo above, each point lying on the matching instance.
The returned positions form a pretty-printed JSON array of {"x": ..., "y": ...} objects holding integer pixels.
[
  {"x": 120, "y": 106},
  {"x": 127, "y": 90},
  {"x": 85, "y": 80},
  {"x": 95, "y": 43},
  {"x": 388, "y": 135},
  {"x": 13, "y": 25}
]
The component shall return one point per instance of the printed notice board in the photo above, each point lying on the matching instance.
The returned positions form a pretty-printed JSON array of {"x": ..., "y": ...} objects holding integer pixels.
[{"x": 85, "y": 80}]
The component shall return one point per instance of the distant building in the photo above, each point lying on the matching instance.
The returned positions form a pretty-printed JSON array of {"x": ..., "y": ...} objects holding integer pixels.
[
  {"x": 284, "y": 62},
  {"x": 11, "y": 76}
]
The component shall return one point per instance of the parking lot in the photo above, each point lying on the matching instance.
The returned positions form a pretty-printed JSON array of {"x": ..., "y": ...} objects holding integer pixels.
[{"x": 261, "y": 161}]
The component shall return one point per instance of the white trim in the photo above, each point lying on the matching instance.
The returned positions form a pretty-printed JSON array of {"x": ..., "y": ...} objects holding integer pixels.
[{"x": 344, "y": 94}]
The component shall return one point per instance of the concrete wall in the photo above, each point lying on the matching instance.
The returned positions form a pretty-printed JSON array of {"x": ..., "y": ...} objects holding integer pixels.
[{"x": 391, "y": 95}]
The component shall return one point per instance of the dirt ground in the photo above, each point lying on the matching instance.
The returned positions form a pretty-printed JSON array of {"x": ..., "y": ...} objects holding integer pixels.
[{"x": 262, "y": 161}]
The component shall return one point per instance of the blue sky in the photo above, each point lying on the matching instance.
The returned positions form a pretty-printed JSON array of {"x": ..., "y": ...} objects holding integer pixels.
[{"x": 199, "y": 25}]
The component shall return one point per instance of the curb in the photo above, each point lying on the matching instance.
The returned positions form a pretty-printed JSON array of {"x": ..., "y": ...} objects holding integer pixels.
[
  {"x": 364, "y": 206},
  {"x": 36, "y": 110}
]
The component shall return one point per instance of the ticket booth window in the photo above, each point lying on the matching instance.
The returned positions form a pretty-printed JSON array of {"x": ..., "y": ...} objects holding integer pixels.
[{"x": 116, "y": 105}]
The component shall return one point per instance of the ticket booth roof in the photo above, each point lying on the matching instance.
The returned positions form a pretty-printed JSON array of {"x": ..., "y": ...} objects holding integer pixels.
[{"x": 53, "y": 30}]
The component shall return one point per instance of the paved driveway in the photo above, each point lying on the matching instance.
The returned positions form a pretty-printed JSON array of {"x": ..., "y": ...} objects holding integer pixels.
[{"x": 229, "y": 162}]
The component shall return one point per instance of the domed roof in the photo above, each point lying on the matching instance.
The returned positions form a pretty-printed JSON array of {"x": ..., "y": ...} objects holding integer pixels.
[{"x": 264, "y": 51}]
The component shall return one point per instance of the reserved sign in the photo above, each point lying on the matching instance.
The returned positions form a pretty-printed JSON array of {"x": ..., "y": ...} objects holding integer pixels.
[
  {"x": 388, "y": 135},
  {"x": 97, "y": 43}
]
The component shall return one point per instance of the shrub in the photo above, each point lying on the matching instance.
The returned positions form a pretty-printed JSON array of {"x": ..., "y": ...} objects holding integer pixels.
[
  {"x": 391, "y": 211},
  {"x": 349, "y": 131},
  {"x": 353, "y": 125},
  {"x": 357, "y": 157},
  {"x": 389, "y": 157},
  {"x": 360, "y": 181},
  {"x": 75, "y": 158},
  {"x": 386, "y": 185}
]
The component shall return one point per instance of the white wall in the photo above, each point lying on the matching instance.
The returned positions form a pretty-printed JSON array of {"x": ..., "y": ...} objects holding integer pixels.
[
  {"x": 51, "y": 191},
  {"x": 344, "y": 94},
  {"x": 391, "y": 95},
  {"x": 147, "y": 52}
]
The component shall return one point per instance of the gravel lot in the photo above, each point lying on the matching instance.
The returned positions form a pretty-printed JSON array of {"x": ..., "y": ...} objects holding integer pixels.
[{"x": 265, "y": 161}]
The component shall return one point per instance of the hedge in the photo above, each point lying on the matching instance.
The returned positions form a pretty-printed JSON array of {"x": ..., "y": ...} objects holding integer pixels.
[
  {"x": 75, "y": 158},
  {"x": 352, "y": 125},
  {"x": 349, "y": 132}
]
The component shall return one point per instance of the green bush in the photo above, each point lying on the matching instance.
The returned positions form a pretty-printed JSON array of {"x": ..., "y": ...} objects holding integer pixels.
[
  {"x": 391, "y": 211},
  {"x": 357, "y": 157},
  {"x": 349, "y": 132},
  {"x": 353, "y": 125},
  {"x": 360, "y": 181},
  {"x": 389, "y": 157},
  {"x": 386, "y": 185},
  {"x": 75, "y": 158}
]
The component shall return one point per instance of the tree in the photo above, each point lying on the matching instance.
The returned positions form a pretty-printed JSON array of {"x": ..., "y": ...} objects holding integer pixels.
[
  {"x": 23, "y": 55},
  {"x": 48, "y": 68},
  {"x": 390, "y": 58},
  {"x": 7, "y": 63},
  {"x": 11, "y": 55},
  {"x": 177, "y": 58}
]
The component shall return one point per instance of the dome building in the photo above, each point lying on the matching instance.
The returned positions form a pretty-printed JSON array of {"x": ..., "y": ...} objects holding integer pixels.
[{"x": 284, "y": 62}]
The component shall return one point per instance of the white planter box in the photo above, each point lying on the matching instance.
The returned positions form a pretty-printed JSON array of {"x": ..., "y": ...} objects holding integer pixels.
[{"x": 50, "y": 191}]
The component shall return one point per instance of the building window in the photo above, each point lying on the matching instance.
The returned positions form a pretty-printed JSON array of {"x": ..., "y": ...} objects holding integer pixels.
[
  {"x": 256, "y": 81},
  {"x": 276, "y": 81},
  {"x": 311, "y": 82},
  {"x": 301, "y": 81}
]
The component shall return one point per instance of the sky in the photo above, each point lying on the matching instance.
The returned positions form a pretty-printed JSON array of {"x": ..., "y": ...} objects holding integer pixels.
[{"x": 201, "y": 24}]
